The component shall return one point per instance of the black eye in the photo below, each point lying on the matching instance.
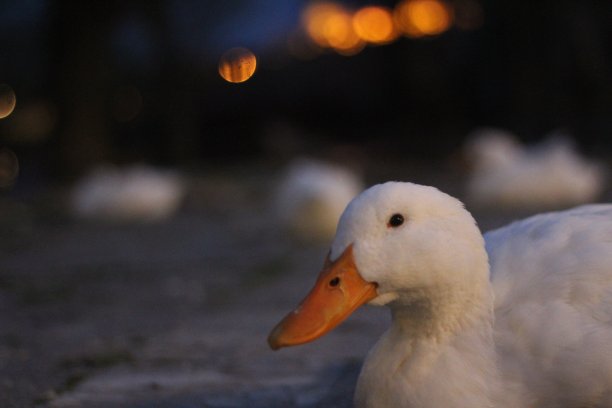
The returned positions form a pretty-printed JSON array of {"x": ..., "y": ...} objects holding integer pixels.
[
  {"x": 396, "y": 220},
  {"x": 334, "y": 282}
]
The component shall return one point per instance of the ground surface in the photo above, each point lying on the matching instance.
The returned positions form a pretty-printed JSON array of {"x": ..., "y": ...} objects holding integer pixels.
[{"x": 172, "y": 314}]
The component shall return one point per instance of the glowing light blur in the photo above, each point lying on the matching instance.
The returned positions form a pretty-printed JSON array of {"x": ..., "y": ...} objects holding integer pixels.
[
  {"x": 237, "y": 65},
  {"x": 330, "y": 25},
  {"x": 9, "y": 167},
  {"x": 375, "y": 25},
  {"x": 418, "y": 18},
  {"x": 318, "y": 19},
  {"x": 8, "y": 100}
]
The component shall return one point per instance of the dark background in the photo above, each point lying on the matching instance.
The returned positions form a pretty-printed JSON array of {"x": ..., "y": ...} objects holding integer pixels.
[
  {"x": 530, "y": 67},
  {"x": 175, "y": 313}
]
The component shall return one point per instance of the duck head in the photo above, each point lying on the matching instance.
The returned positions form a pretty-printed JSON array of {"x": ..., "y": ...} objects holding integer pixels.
[{"x": 396, "y": 244}]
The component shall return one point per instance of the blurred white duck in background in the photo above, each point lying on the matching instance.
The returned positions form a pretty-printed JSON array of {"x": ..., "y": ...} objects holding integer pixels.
[
  {"x": 548, "y": 175},
  {"x": 312, "y": 196},
  {"x": 136, "y": 193},
  {"x": 532, "y": 330}
]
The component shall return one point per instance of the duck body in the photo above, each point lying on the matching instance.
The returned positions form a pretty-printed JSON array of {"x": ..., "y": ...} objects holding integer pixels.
[
  {"x": 521, "y": 317},
  {"x": 136, "y": 193},
  {"x": 552, "y": 279},
  {"x": 547, "y": 343},
  {"x": 312, "y": 195},
  {"x": 548, "y": 175}
]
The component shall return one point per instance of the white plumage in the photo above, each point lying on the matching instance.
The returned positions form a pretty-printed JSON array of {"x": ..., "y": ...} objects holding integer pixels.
[
  {"x": 312, "y": 196},
  {"x": 552, "y": 279},
  {"x": 534, "y": 330},
  {"x": 136, "y": 193},
  {"x": 548, "y": 175}
]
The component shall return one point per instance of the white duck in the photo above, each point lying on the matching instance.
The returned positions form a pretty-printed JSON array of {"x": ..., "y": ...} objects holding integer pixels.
[
  {"x": 135, "y": 193},
  {"x": 533, "y": 330},
  {"x": 550, "y": 174},
  {"x": 312, "y": 196}
]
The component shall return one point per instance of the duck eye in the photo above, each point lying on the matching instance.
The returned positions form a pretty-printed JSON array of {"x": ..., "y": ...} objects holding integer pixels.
[
  {"x": 334, "y": 282},
  {"x": 396, "y": 220}
]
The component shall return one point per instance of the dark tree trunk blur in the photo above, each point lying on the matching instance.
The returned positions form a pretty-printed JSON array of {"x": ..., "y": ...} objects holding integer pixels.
[
  {"x": 82, "y": 76},
  {"x": 175, "y": 104}
]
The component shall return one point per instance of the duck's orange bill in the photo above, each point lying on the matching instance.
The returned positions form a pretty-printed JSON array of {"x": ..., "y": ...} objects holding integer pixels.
[{"x": 339, "y": 290}]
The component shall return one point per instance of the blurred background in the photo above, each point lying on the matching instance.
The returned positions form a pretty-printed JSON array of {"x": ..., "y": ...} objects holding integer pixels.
[
  {"x": 165, "y": 165},
  {"x": 127, "y": 80}
]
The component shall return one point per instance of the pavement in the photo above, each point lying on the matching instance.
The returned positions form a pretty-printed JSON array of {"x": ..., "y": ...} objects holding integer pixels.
[{"x": 169, "y": 314}]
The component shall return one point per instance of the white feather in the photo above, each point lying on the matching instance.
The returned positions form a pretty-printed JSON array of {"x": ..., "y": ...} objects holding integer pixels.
[
  {"x": 136, "y": 193},
  {"x": 533, "y": 330},
  {"x": 549, "y": 175},
  {"x": 312, "y": 196}
]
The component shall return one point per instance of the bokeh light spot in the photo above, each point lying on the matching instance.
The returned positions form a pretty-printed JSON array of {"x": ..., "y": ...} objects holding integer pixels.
[
  {"x": 375, "y": 25},
  {"x": 9, "y": 167},
  {"x": 8, "y": 100},
  {"x": 330, "y": 25},
  {"x": 418, "y": 18},
  {"x": 317, "y": 19},
  {"x": 237, "y": 65}
]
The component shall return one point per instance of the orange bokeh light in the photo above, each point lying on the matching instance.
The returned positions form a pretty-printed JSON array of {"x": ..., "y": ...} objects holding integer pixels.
[
  {"x": 329, "y": 25},
  {"x": 418, "y": 18},
  {"x": 237, "y": 65},
  {"x": 8, "y": 100},
  {"x": 375, "y": 25}
]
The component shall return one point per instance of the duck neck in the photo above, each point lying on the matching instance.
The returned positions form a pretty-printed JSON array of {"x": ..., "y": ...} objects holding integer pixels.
[
  {"x": 440, "y": 352},
  {"x": 443, "y": 311},
  {"x": 442, "y": 336}
]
